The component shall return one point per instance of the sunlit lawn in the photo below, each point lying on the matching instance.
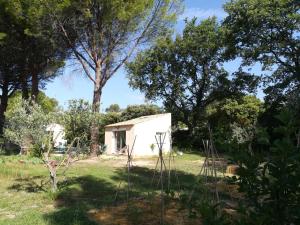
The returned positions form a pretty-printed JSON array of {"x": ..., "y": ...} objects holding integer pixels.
[{"x": 25, "y": 197}]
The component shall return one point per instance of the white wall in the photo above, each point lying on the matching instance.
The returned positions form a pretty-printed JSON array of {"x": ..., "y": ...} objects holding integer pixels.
[
  {"x": 58, "y": 134},
  {"x": 145, "y": 135}
]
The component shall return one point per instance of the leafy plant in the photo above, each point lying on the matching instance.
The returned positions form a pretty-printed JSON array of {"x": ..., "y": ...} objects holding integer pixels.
[
  {"x": 270, "y": 180},
  {"x": 77, "y": 121},
  {"x": 152, "y": 146}
]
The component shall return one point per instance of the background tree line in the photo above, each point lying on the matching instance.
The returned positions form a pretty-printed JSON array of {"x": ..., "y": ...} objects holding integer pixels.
[
  {"x": 79, "y": 117},
  {"x": 76, "y": 120}
]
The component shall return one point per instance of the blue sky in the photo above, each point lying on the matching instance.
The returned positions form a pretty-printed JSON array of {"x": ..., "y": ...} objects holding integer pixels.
[{"x": 74, "y": 85}]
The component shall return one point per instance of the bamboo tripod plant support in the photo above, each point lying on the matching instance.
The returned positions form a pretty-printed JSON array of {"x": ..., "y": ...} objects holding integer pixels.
[
  {"x": 172, "y": 166},
  {"x": 160, "y": 163},
  {"x": 162, "y": 169},
  {"x": 129, "y": 165},
  {"x": 209, "y": 169}
]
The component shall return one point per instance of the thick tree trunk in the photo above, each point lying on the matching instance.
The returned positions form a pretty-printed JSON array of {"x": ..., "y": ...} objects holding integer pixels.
[
  {"x": 24, "y": 87},
  {"x": 35, "y": 86},
  {"x": 3, "y": 105},
  {"x": 298, "y": 139},
  {"x": 96, "y": 109}
]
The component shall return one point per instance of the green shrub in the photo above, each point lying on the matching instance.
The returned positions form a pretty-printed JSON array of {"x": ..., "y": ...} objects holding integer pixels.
[{"x": 270, "y": 181}]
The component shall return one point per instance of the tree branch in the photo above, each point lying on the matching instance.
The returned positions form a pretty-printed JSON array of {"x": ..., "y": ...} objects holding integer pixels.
[
  {"x": 83, "y": 61},
  {"x": 130, "y": 52}
]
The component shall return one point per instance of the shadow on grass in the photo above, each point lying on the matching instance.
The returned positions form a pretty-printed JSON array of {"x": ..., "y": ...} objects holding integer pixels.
[
  {"x": 79, "y": 195},
  {"x": 144, "y": 180},
  {"x": 76, "y": 197},
  {"x": 29, "y": 184}
]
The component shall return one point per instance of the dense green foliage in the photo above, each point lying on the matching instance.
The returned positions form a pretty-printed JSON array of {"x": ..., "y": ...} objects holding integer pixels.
[
  {"x": 234, "y": 121},
  {"x": 188, "y": 74},
  {"x": 113, "y": 108},
  {"x": 134, "y": 111},
  {"x": 270, "y": 180},
  {"x": 46, "y": 103},
  {"x": 267, "y": 32},
  {"x": 77, "y": 120},
  {"x": 31, "y": 53}
]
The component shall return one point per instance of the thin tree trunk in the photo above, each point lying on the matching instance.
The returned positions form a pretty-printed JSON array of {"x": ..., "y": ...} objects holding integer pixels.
[
  {"x": 3, "y": 105},
  {"x": 96, "y": 109},
  {"x": 35, "y": 86},
  {"x": 53, "y": 177},
  {"x": 53, "y": 180},
  {"x": 52, "y": 167}
]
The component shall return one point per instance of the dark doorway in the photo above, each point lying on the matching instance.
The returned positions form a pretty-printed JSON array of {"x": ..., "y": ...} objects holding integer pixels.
[{"x": 120, "y": 139}]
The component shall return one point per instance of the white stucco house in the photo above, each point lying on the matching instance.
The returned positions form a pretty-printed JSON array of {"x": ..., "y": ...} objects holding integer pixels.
[
  {"x": 139, "y": 133},
  {"x": 58, "y": 133}
]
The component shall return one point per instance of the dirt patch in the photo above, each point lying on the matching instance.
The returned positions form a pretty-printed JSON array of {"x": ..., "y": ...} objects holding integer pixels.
[
  {"x": 198, "y": 161},
  {"x": 49, "y": 207},
  {"x": 118, "y": 161},
  {"x": 142, "y": 211},
  {"x": 11, "y": 216},
  {"x": 141, "y": 162}
]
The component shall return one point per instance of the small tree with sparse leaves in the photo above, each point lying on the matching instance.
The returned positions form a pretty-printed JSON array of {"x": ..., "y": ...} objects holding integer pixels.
[{"x": 26, "y": 126}]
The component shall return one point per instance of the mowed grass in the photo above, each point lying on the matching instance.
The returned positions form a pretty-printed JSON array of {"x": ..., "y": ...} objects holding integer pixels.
[{"x": 25, "y": 196}]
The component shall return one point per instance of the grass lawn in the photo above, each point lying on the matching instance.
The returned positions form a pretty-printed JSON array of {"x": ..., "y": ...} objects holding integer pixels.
[{"x": 88, "y": 185}]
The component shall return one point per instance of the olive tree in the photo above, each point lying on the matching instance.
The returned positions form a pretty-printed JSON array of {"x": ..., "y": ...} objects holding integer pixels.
[{"x": 26, "y": 125}]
